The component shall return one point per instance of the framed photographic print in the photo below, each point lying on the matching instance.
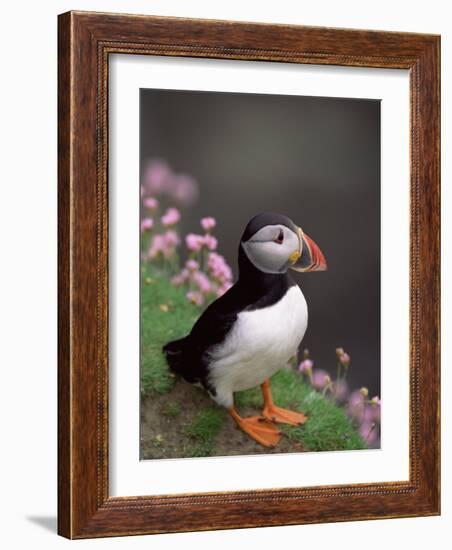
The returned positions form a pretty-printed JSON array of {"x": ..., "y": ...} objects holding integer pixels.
[{"x": 248, "y": 275}]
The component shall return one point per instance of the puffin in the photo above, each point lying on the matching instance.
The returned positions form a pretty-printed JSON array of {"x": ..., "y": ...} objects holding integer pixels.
[{"x": 251, "y": 331}]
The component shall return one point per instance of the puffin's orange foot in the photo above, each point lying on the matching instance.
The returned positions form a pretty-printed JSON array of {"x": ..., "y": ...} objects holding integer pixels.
[
  {"x": 277, "y": 414},
  {"x": 260, "y": 429}
]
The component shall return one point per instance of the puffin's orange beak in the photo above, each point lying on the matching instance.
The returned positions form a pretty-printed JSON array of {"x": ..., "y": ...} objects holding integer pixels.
[
  {"x": 318, "y": 262},
  {"x": 310, "y": 257}
]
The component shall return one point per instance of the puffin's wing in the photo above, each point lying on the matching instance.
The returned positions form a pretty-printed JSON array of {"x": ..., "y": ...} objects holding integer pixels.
[
  {"x": 215, "y": 323},
  {"x": 187, "y": 356}
]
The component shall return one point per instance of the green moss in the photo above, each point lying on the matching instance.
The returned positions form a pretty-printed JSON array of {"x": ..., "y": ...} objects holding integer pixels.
[
  {"x": 203, "y": 430},
  {"x": 165, "y": 315},
  {"x": 171, "y": 410}
]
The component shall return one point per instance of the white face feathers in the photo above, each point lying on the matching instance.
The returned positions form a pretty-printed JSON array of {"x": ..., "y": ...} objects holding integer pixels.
[{"x": 271, "y": 248}]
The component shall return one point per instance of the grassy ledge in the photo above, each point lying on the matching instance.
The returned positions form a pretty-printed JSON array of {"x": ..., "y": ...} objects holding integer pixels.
[{"x": 179, "y": 420}]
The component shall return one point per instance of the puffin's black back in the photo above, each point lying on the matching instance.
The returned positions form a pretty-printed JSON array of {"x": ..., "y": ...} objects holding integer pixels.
[{"x": 254, "y": 289}]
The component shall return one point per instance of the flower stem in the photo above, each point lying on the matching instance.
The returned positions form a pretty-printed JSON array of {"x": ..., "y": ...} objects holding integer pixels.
[
  {"x": 338, "y": 375},
  {"x": 371, "y": 429}
]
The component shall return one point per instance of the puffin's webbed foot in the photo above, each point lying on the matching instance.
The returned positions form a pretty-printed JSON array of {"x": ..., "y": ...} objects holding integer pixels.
[
  {"x": 277, "y": 414},
  {"x": 258, "y": 428}
]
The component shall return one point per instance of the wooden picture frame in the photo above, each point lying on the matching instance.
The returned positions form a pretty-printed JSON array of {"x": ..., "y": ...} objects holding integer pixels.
[{"x": 85, "y": 42}]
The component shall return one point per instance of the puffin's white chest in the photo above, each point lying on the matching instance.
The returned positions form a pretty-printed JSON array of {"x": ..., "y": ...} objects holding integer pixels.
[{"x": 259, "y": 344}]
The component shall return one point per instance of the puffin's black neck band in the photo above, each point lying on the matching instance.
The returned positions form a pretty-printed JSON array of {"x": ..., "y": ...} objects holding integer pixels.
[{"x": 256, "y": 281}]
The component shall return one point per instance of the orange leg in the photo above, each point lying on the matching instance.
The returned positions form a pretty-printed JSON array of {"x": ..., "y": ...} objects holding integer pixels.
[
  {"x": 261, "y": 430},
  {"x": 277, "y": 414}
]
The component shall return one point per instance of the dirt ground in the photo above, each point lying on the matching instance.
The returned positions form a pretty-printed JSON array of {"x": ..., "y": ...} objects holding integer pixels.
[{"x": 165, "y": 436}]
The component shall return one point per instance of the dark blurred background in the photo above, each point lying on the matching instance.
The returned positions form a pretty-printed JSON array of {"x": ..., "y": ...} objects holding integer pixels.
[{"x": 315, "y": 159}]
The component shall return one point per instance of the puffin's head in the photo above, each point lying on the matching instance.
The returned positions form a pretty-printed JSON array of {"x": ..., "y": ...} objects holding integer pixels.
[{"x": 273, "y": 244}]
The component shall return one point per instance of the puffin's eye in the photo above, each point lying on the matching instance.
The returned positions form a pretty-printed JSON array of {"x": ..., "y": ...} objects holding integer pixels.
[{"x": 280, "y": 238}]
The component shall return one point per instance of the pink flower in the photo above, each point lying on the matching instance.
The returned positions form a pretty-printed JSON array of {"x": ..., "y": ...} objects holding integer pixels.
[
  {"x": 356, "y": 405},
  {"x": 369, "y": 432},
  {"x": 184, "y": 189},
  {"x": 208, "y": 223},
  {"x": 376, "y": 401},
  {"x": 344, "y": 359},
  {"x": 194, "y": 242},
  {"x": 218, "y": 268},
  {"x": 341, "y": 390},
  {"x": 163, "y": 244},
  {"x": 192, "y": 265},
  {"x": 319, "y": 379},
  {"x": 171, "y": 217},
  {"x": 172, "y": 238},
  {"x": 306, "y": 366},
  {"x": 157, "y": 177},
  {"x": 210, "y": 241},
  {"x": 373, "y": 411},
  {"x": 195, "y": 297},
  {"x": 202, "y": 281},
  {"x": 151, "y": 203},
  {"x": 158, "y": 246},
  {"x": 181, "y": 277},
  {"x": 147, "y": 224}
]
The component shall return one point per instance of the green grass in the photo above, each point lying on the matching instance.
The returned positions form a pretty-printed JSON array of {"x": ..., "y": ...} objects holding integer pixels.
[
  {"x": 171, "y": 410},
  {"x": 166, "y": 315},
  {"x": 203, "y": 430},
  {"x": 328, "y": 427}
]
